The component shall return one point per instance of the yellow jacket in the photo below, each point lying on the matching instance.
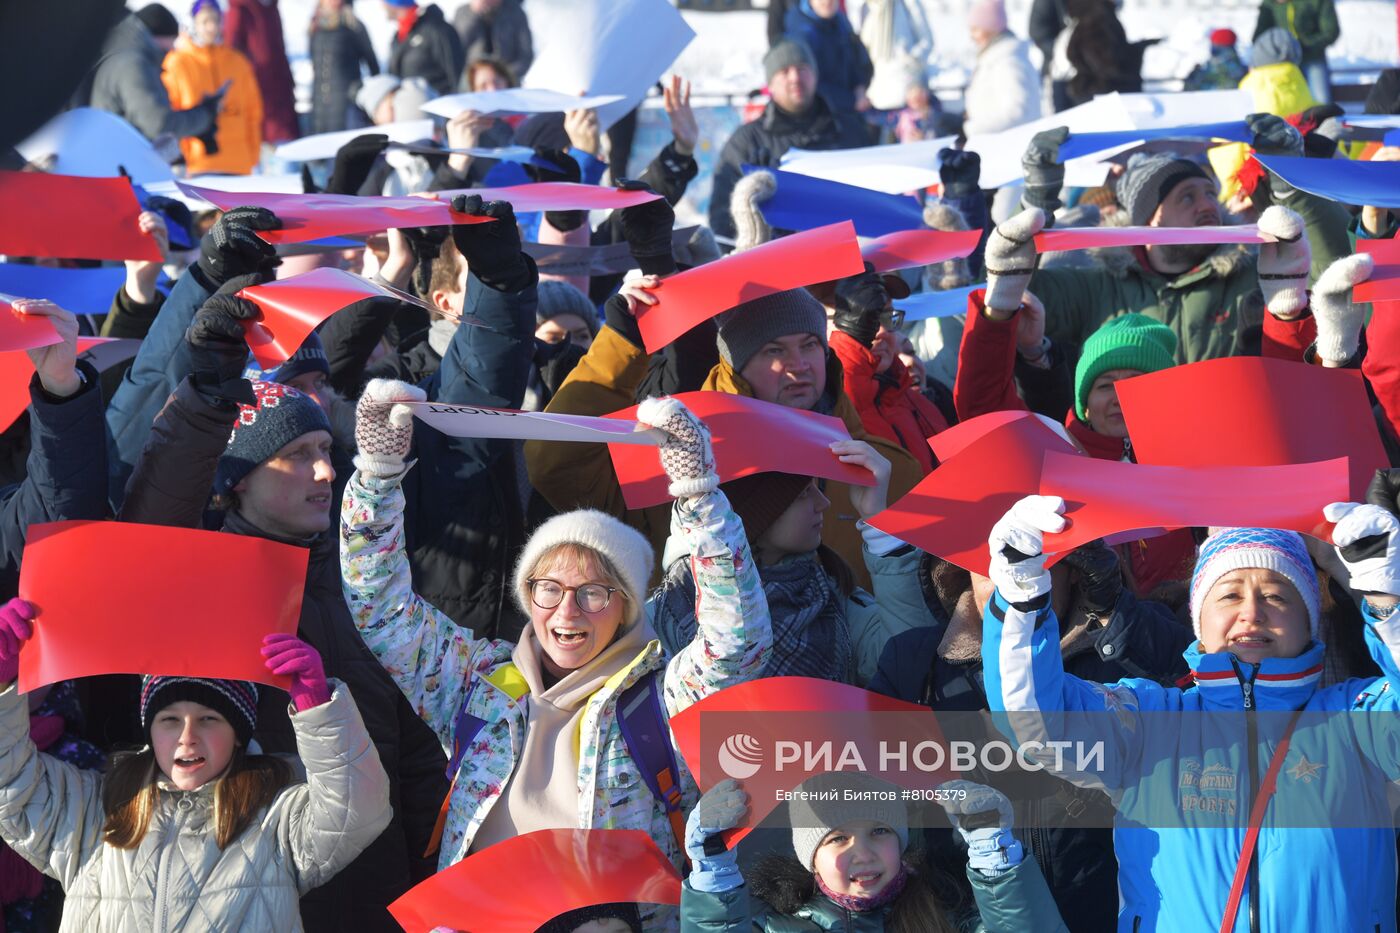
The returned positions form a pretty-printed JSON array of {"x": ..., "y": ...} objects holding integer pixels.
[
  {"x": 575, "y": 476},
  {"x": 193, "y": 72},
  {"x": 1279, "y": 89}
]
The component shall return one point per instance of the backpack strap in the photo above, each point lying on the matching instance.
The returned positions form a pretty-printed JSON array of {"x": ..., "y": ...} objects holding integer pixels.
[{"x": 648, "y": 738}]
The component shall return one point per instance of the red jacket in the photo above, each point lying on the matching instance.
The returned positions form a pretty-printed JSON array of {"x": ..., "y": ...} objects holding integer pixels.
[
  {"x": 889, "y": 404},
  {"x": 986, "y": 383},
  {"x": 254, "y": 27}
]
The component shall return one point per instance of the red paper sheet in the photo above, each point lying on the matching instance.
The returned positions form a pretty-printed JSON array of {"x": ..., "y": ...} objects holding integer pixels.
[
  {"x": 698, "y": 294},
  {"x": 149, "y": 610},
  {"x": 518, "y": 885},
  {"x": 16, "y": 370},
  {"x": 948, "y": 444},
  {"x": 748, "y": 436},
  {"x": 1090, "y": 237},
  {"x": 316, "y": 216},
  {"x": 1250, "y": 411},
  {"x": 68, "y": 217},
  {"x": 1107, "y": 496},
  {"x": 1384, "y": 283},
  {"x": 292, "y": 308},
  {"x": 905, "y": 249},
  {"x": 24, "y": 331},
  {"x": 770, "y": 709},
  {"x": 952, "y": 510}
]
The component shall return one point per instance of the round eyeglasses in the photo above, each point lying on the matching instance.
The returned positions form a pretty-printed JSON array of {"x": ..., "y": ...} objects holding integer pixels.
[{"x": 591, "y": 597}]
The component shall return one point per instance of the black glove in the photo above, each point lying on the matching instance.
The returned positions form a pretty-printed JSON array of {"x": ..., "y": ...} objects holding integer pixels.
[
  {"x": 209, "y": 107},
  {"x": 219, "y": 348},
  {"x": 353, "y": 162},
  {"x": 1273, "y": 135},
  {"x": 1043, "y": 171},
  {"x": 232, "y": 248},
  {"x": 958, "y": 170},
  {"x": 1100, "y": 581},
  {"x": 647, "y": 228},
  {"x": 860, "y": 300},
  {"x": 568, "y": 170},
  {"x": 492, "y": 250},
  {"x": 617, "y": 317},
  {"x": 1384, "y": 491},
  {"x": 210, "y": 139}
]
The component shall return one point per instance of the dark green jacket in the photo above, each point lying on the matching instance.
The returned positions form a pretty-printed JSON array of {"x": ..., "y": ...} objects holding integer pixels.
[
  {"x": 1312, "y": 22},
  {"x": 1016, "y": 902},
  {"x": 1212, "y": 308}
]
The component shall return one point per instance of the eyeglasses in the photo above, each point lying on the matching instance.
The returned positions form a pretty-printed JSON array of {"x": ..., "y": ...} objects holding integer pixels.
[
  {"x": 591, "y": 597},
  {"x": 892, "y": 319}
]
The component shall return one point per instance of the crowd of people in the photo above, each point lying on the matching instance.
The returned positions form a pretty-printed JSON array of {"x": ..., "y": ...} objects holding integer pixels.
[{"x": 493, "y": 643}]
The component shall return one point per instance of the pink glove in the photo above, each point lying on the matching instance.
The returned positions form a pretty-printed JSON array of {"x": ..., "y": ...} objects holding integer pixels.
[
  {"x": 287, "y": 654},
  {"x": 15, "y": 630}
]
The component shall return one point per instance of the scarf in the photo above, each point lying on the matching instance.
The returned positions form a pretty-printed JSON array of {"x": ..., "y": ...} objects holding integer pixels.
[
  {"x": 440, "y": 334},
  {"x": 542, "y": 792},
  {"x": 811, "y": 637},
  {"x": 410, "y": 19},
  {"x": 859, "y": 905}
]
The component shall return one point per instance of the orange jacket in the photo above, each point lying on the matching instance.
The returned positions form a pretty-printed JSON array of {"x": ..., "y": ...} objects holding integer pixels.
[{"x": 193, "y": 72}]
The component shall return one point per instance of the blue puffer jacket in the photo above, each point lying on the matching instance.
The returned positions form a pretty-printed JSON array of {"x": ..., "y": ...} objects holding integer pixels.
[
  {"x": 842, "y": 61},
  {"x": 1184, "y": 784}
]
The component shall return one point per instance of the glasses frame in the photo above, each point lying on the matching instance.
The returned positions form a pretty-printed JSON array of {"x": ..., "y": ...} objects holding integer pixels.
[{"x": 574, "y": 589}]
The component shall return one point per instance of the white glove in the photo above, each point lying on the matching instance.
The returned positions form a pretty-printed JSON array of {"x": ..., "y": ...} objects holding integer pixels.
[
  {"x": 1374, "y": 564},
  {"x": 1338, "y": 320},
  {"x": 383, "y": 429},
  {"x": 991, "y": 848},
  {"x": 1283, "y": 266},
  {"x": 750, "y": 227},
  {"x": 1022, "y": 528},
  {"x": 686, "y": 456},
  {"x": 1010, "y": 259}
]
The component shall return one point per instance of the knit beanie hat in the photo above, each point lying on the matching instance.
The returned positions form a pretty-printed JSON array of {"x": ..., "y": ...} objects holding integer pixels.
[
  {"x": 1147, "y": 180},
  {"x": 1274, "y": 46},
  {"x": 410, "y": 97},
  {"x": 988, "y": 15},
  {"x": 750, "y": 326},
  {"x": 235, "y": 700},
  {"x": 557, "y": 297},
  {"x": 281, "y": 415},
  {"x": 373, "y": 90},
  {"x": 819, "y": 805},
  {"x": 158, "y": 21},
  {"x": 309, "y": 358},
  {"x": 759, "y": 500},
  {"x": 571, "y": 921},
  {"x": 203, "y": 4},
  {"x": 625, "y": 548},
  {"x": 1254, "y": 548},
  {"x": 1223, "y": 37},
  {"x": 1133, "y": 341},
  {"x": 785, "y": 54}
]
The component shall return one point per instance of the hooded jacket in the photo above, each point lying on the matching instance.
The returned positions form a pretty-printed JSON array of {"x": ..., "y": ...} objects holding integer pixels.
[
  {"x": 448, "y": 674},
  {"x": 177, "y": 877},
  {"x": 888, "y": 404},
  {"x": 574, "y": 476},
  {"x": 1184, "y": 784},
  {"x": 842, "y": 61},
  {"x": 126, "y": 81},
  {"x": 193, "y": 72},
  {"x": 432, "y": 51}
]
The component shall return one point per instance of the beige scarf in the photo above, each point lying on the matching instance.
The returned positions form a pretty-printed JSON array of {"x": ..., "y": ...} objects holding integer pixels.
[{"x": 542, "y": 792}]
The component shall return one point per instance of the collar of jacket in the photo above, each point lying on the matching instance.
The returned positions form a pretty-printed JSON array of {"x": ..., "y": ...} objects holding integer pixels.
[
  {"x": 1281, "y": 684},
  {"x": 833, "y": 401},
  {"x": 1099, "y": 446},
  {"x": 1222, "y": 263}
]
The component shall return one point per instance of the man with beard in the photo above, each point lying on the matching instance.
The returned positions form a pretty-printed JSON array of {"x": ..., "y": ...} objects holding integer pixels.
[{"x": 1212, "y": 297}]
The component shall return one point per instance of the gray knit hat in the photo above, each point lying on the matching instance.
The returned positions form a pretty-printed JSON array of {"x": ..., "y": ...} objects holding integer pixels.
[
  {"x": 1274, "y": 46},
  {"x": 785, "y": 54},
  {"x": 1149, "y": 178},
  {"x": 825, "y": 801},
  {"x": 745, "y": 330},
  {"x": 557, "y": 297}
]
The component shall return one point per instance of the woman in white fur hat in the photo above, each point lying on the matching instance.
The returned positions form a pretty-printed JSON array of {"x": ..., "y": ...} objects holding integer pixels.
[{"x": 533, "y": 729}]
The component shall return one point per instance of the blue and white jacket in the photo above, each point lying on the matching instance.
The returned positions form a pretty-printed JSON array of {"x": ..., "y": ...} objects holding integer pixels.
[{"x": 1178, "y": 767}]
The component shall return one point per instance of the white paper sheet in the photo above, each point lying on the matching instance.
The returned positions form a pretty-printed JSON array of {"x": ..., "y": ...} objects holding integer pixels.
[
  {"x": 472, "y": 421},
  {"x": 96, "y": 144},
  {"x": 605, "y": 47},
  {"x": 326, "y": 145},
  {"x": 515, "y": 100},
  {"x": 894, "y": 169}
]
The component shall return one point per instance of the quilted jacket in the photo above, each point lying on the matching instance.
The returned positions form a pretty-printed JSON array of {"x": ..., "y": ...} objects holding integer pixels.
[
  {"x": 440, "y": 666},
  {"x": 177, "y": 878}
]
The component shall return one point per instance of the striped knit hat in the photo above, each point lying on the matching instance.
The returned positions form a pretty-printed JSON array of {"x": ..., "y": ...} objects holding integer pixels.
[
  {"x": 235, "y": 700},
  {"x": 1254, "y": 548}
]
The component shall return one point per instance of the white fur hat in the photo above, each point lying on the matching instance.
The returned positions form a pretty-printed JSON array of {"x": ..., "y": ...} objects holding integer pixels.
[{"x": 624, "y": 547}]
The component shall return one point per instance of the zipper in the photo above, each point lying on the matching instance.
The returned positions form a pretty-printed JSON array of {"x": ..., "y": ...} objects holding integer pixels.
[
  {"x": 1137, "y": 924},
  {"x": 1251, "y": 750},
  {"x": 163, "y": 871}
]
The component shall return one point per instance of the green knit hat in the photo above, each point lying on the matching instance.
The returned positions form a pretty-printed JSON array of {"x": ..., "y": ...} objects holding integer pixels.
[{"x": 1132, "y": 341}]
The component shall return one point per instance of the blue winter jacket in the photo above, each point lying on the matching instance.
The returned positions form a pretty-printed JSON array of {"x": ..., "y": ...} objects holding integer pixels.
[
  {"x": 842, "y": 61},
  {"x": 1183, "y": 783}
]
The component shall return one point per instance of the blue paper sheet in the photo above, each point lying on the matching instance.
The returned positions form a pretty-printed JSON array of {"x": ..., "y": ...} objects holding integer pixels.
[
  {"x": 82, "y": 291},
  {"x": 936, "y": 304},
  {"x": 1082, "y": 144},
  {"x": 1376, "y": 184},
  {"x": 802, "y": 203}
]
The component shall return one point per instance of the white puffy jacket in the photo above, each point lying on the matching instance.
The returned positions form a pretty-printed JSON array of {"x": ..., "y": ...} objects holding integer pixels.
[{"x": 1004, "y": 90}]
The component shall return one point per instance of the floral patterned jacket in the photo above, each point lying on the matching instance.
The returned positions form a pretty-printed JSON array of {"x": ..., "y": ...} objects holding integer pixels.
[{"x": 440, "y": 666}]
